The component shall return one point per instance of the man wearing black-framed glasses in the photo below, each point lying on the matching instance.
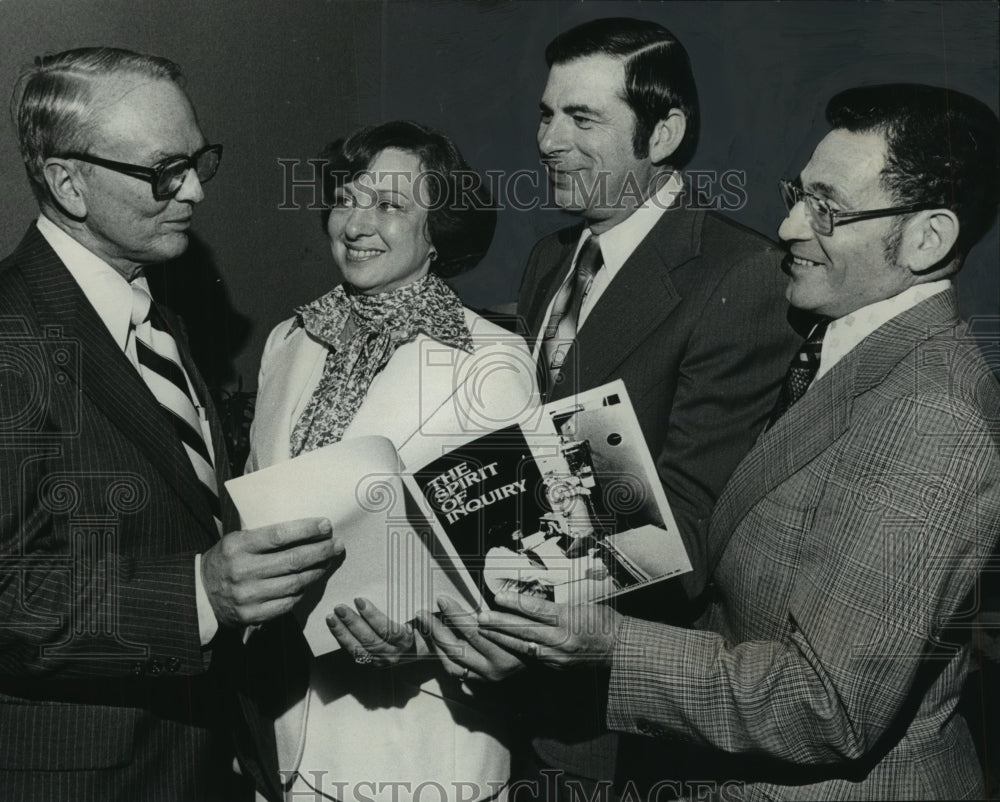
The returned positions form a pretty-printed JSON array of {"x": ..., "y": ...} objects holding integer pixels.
[
  {"x": 167, "y": 176},
  {"x": 123, "y": 588}
]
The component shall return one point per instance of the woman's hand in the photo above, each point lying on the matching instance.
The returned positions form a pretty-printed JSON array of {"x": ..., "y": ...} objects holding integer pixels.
[
  {"x": 464, "y": 652},
  {"x": 371, "y": 637}
]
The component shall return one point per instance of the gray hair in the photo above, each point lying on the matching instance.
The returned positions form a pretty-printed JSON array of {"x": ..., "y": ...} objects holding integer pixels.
[{"x": 52, "y": 104}]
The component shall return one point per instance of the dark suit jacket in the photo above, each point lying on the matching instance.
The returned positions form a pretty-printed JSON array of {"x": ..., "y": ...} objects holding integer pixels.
[
  {"x": 830, "y": 664},
  {"x": 105, "y": 690},
  {"x": 696, "y": 324}
]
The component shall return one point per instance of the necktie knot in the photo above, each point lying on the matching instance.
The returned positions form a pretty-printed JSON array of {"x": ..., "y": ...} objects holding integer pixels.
[
  {"x": 801, "y": 372},
  {"x": 141, "y": 304},
  {"x": 589, "y": 261}
]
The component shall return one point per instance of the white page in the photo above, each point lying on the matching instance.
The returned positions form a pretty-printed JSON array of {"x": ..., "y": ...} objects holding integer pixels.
[{"x": 356, "y": 484}]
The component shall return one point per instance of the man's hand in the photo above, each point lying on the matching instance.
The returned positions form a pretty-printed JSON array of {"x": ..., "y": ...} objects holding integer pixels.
[
  {"x": 464, "y": 652},
  {"x": 370, "y": 636},
  {"x": 559, "y": 635},
  {"x": 253, "y": 576}
]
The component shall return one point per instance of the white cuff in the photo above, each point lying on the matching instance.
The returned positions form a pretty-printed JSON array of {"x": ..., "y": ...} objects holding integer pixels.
[{"x": 208, "y": 625}]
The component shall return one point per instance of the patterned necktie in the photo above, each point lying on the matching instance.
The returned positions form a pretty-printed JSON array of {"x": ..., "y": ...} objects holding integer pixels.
[
  {"x": 561, "y": 330},
  {"x": 801, "y": 373},
  {"x": 161, "y": 368}
]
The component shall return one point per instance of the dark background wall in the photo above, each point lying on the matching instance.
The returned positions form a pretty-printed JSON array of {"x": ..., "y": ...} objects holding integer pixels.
[{"x": 277, "y": 80}]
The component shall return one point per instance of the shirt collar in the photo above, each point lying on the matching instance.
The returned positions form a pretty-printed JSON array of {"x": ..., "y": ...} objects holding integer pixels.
[
  {"x": 619, "y": 242},
  {"x": 104, "y": 287},
  {"x": 844, "y": 333}
]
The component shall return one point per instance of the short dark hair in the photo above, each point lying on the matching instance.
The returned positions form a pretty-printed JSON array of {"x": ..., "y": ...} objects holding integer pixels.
[
  {"x": 461, "y": 217},
  {"x": 942, "y": 148},
  {"x": 658, "y": 74},
  {"x": 52, "y": 103}
]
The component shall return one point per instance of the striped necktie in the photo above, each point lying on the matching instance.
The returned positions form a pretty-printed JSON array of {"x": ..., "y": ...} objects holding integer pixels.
[
  {"x": 561, "y": 330},
  {"x": 801, "y": 373},
  {"x": 161, "y": 368}
]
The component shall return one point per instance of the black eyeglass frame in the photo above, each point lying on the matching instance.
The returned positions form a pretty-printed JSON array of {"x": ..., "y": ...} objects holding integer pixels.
[
  {"x": 154, "y": 175},
  {"x": 792, "y": 193}
]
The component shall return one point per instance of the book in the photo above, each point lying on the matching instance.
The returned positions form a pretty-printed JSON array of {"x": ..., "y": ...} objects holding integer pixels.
[
  {"x": 566, "y": 505},
  {"x": 357, "y": 485}
]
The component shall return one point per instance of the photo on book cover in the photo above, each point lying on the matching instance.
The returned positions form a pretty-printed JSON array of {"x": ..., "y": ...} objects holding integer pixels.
[{"x": 572, "y": 511}]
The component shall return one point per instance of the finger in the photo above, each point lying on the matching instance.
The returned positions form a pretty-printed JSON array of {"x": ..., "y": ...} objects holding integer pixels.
[
  {"x": 384, "y": 627},
  {"x": 465, "y": 624},
  {"x": 370, "y": 640},
  {"x": 461, "y": 642},
  {"x": 531, "y": 606},
  {"x": 458, "y": 671},
  {"x": 289, "y": 533},
  {"x": 453, "y": 653},
  {"x": 295, "y": 559},
  {"x": 457, "y": 616},
  {"x": 357, "y": 626},
  {"x": 522, "y": 648},
  {"x": 347, "y": 640},
  {"x": 516, "y": 626},
  {"x": 249, "y": 594}
]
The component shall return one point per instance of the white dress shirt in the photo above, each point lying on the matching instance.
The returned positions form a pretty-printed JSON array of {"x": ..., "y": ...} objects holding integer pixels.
[
  {"x": 111, "y": 296},
  {"x": 617, "y": 245},
  {"x": 846, "y": 332}
]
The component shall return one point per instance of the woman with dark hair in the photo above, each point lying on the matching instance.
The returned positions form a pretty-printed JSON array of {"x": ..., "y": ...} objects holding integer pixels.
[{"x": 403, "y": 210}]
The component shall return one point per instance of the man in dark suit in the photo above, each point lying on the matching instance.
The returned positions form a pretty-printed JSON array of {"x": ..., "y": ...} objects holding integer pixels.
[
  {"x": 681, "y": 303},
  {"x": 686, "y": 306},
  {"x": 117, "y": 594},
  {"x": 847, "y": 545}
]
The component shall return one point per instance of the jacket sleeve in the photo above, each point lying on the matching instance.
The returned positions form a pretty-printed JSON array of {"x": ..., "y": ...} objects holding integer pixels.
[{"x": 889, "y": 556}]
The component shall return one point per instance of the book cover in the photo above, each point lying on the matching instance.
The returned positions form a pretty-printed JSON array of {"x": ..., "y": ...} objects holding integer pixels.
[{"x": 571, "y": 510}]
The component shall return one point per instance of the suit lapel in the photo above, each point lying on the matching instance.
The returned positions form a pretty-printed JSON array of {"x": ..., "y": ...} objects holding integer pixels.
[
  {"x": 105, "y": 375},
  {"x": 642, "y": 293},
  {"x": 823, "y": 414}
]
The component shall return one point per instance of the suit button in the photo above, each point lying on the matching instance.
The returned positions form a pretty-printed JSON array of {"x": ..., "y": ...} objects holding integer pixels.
[
  {"x": 558, "y": 378},
  {"x": 173, "y": 665},
  {"x": 138, "y": 669}
]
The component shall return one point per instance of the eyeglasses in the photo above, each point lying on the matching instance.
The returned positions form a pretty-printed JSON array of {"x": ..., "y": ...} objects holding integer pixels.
[
  {"x": 823, "y": 219},
  {"x": 168, "y": 176}
]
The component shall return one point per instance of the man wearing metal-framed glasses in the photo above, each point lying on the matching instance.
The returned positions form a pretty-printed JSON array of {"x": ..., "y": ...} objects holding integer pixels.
[
  {"x": 846, "y": 549},
  {"x": 122, "y": 587}
]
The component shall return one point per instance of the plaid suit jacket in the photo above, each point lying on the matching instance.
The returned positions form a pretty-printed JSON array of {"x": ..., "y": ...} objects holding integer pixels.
[
  {"x": 105, "y": 690},
  {"x": 847, "y": 544}
]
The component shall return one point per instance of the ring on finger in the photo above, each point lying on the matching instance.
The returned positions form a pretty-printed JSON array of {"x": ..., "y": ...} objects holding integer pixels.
[
  {"x": 363, "y": 658},
  {"x": 532, "y": 650},
  {"x": 465, "y": 675}
]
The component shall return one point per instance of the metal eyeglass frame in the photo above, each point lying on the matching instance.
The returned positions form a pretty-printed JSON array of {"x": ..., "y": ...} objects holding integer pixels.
[{"x": 819, "y": 211}]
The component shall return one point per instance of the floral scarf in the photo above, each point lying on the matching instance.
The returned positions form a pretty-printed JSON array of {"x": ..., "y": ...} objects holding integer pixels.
[{"x": 362, "y": 332}]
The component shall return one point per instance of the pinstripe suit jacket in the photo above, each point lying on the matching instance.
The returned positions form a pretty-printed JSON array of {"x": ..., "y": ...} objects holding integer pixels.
[
  {"x": 848, "y": 542},
  {"x": 105, "y": 691},
  {"x": 695, "y": 324}
]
